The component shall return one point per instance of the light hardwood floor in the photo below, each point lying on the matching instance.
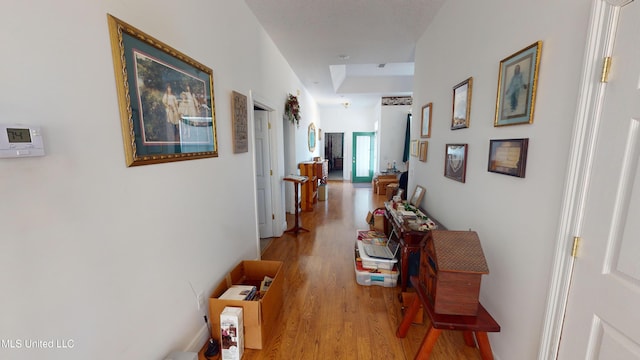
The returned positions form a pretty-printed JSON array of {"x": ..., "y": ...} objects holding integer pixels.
[{"x": 326, "y": 314}]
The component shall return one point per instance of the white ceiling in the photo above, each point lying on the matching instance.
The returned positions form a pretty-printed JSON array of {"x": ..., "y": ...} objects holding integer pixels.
[{"x": 337, "y": 47}]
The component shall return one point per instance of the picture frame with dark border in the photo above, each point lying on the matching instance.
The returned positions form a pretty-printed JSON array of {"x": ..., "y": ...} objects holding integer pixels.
[
  {"x": 239, "y": 123},
  {"x": 166, "y": 102},
  {"x": 461, "y": 114},
  {"x": 455, "y": 161},
  {"x": 425, "y": 125},
  {"x": 517, "y": 86},
  {"x": 508, "y": 156}
]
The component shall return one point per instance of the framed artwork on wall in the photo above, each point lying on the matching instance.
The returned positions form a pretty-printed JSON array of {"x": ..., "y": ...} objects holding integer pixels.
[
  {"x": 312, "y": 137},
  {"x": 414, "y": 147},
  {"x": 165, "y": 98},
  {"x": 423, "y": 151},
  {"x": 455, "y": 162},
  {"x": 461, "y": 104},
  {"x": 425, "y": 125},
  {"x": 508, "y": 157},
  {"x": 239, "y": 122},
  {"x": 517, "y": 85}
]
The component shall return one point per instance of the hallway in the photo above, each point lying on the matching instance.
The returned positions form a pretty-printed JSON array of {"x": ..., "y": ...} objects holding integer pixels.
[{"x": 326, "y": 314}]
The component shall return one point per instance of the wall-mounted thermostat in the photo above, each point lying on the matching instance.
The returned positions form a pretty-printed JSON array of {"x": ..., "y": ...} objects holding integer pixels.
[{"x": 20, "y": 141}]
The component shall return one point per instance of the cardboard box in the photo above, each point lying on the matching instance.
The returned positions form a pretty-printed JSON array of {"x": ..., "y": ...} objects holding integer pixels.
[
  {"x": 231, "y": 333},
  {"x": 259, "y": 315}
]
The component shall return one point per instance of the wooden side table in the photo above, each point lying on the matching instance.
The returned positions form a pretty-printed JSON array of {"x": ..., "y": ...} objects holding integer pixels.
[
  {"x": 477, "y": 325},
  {"x": 296, "y": 180}
]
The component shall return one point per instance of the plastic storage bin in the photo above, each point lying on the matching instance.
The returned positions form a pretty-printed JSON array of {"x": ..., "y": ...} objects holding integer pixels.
[{"x": 380, "y": 277}]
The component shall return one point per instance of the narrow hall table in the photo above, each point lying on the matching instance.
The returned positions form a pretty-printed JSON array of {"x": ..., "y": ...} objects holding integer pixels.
[{"x": 296, "y": 180}]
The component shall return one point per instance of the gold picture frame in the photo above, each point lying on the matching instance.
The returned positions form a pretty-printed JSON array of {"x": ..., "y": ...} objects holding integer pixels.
[
  {"x": 239, "y": 123},
  {"x": 425, "y": 125},
  {"x": 414, "y": 147},
  {"x": 312, "y": 137},
  {"x": 423, "y": 151},
  {"x": 517, "y": 86},
  {"x": 461, "y": 114},
  {"x": 166, "y": 102},
  {"x": 418, "y": 194}
]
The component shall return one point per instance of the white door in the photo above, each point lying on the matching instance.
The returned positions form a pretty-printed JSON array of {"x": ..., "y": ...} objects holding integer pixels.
[
  {"x": 603, "y": 310},
  {"x": 263, "y": 173}
]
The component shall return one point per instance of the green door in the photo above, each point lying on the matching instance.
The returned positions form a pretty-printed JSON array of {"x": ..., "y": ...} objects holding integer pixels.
[{"x": 362, "y": 162}]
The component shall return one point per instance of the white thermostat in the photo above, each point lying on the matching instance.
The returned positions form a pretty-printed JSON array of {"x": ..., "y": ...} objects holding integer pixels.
[{"x": 20, "y": 141}]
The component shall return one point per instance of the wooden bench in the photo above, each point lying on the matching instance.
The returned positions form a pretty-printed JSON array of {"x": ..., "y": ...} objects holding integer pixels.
[{"x": 477, "y": 325}]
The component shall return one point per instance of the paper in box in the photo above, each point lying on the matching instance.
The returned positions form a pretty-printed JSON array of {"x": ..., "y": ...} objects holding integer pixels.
[
  {"x": 231, "y": 333},
  {"x": 258, "y": 315}
]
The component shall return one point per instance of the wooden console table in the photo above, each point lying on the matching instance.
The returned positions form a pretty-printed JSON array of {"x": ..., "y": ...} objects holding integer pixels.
[
  {"x": 477, "y": 325},
  {"x": 410, "y": 241},
  {"x": 296, "y": 180}
]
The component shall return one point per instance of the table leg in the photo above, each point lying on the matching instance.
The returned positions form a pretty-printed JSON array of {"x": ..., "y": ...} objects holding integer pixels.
[
  {"x": 404, "y": 268},
  {"x": 469, "y": 340},
  {"x": 409, "y": 315},
  {"x": 483, "y": 344},
  {"x": 428, "y": 343}
]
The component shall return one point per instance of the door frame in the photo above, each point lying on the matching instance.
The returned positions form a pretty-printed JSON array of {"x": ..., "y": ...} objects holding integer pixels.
[
  {"x": 372, "y": 136},
  {"x": 600, "y": 40}
]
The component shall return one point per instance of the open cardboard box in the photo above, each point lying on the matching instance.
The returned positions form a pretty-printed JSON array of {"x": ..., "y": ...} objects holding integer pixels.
[
  {"x": 259, "y": 315},
  {"x": 375, "y": 220}
]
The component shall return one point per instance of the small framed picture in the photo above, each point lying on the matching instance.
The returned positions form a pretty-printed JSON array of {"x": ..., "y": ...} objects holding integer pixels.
[
  {"x": 425, "y": 126},
  {"x": 508, "y": 157},
  {"x": 414, "y": 147},
  {"x": 423, "y": 151},
  {"x": 461, "y": 104},
  {"x": 455, "y": 162},
  {"x": 517, "y": 84}
]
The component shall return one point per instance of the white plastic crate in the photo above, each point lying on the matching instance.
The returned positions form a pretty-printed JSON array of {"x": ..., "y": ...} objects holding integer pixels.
[
  {"x": 373, "y": 263},
  {"x": 367, "y": 278},
  {"x": 380, "y": 277}
]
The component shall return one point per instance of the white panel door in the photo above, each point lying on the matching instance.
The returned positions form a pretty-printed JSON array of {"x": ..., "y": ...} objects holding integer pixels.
[
  {"x": 603, "y": 310},
  {"x": 263, "y": 173}
]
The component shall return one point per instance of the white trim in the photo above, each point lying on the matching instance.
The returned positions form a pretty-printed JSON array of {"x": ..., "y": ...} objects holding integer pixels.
[{"x": 603, "y": 23}]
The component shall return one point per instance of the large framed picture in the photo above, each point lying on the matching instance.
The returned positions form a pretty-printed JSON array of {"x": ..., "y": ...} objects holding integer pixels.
[
  {"x": 166, "y": 101},
  {"x": 461, "y": 104},
  {"x": 508, "y": 157},
  {"x": 425, "y": 125},
  {"x": 455, "y": 162},
  {"x": 239, "y": 122},
  {"x": 517, "y": 85}
]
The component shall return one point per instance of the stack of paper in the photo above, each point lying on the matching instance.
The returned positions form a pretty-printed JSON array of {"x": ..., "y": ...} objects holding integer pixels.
[{"x": 239, "y": 292}]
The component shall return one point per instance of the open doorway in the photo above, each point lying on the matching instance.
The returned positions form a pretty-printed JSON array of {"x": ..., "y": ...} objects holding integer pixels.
[{"x": 334, "y": 152}]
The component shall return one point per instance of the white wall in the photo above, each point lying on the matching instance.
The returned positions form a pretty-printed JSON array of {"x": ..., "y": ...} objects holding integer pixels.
[
  {"x": 393, "y": 127},
  {"x": 96, "y": 252},
  {"x": 348, "y": 121},
  {"x": 515, "y": 218}
]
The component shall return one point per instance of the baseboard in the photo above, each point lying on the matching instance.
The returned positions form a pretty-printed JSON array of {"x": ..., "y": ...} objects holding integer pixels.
[{"x": 199, "y": 340}]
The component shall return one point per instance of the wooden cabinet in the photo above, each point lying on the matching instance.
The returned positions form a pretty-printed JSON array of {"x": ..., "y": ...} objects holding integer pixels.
[
  {"x": 451, "y": 267},
  {"x": 317, "y": 172}
]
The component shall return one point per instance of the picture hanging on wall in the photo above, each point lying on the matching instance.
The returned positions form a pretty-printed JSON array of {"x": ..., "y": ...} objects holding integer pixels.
[
  {"x": 425, "y": 126},
  {"x": 455, "y": 162},
  {"x": 414, "y": 147},
  {"x": 165, "y": 98},
  {"x": 461, "y": 104},
  {"x": 239, "y": 123},
  {"x": 517, "y": 85},
  {"x": 508, "y": 157},
  {"x": 423, "y": 151}
]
